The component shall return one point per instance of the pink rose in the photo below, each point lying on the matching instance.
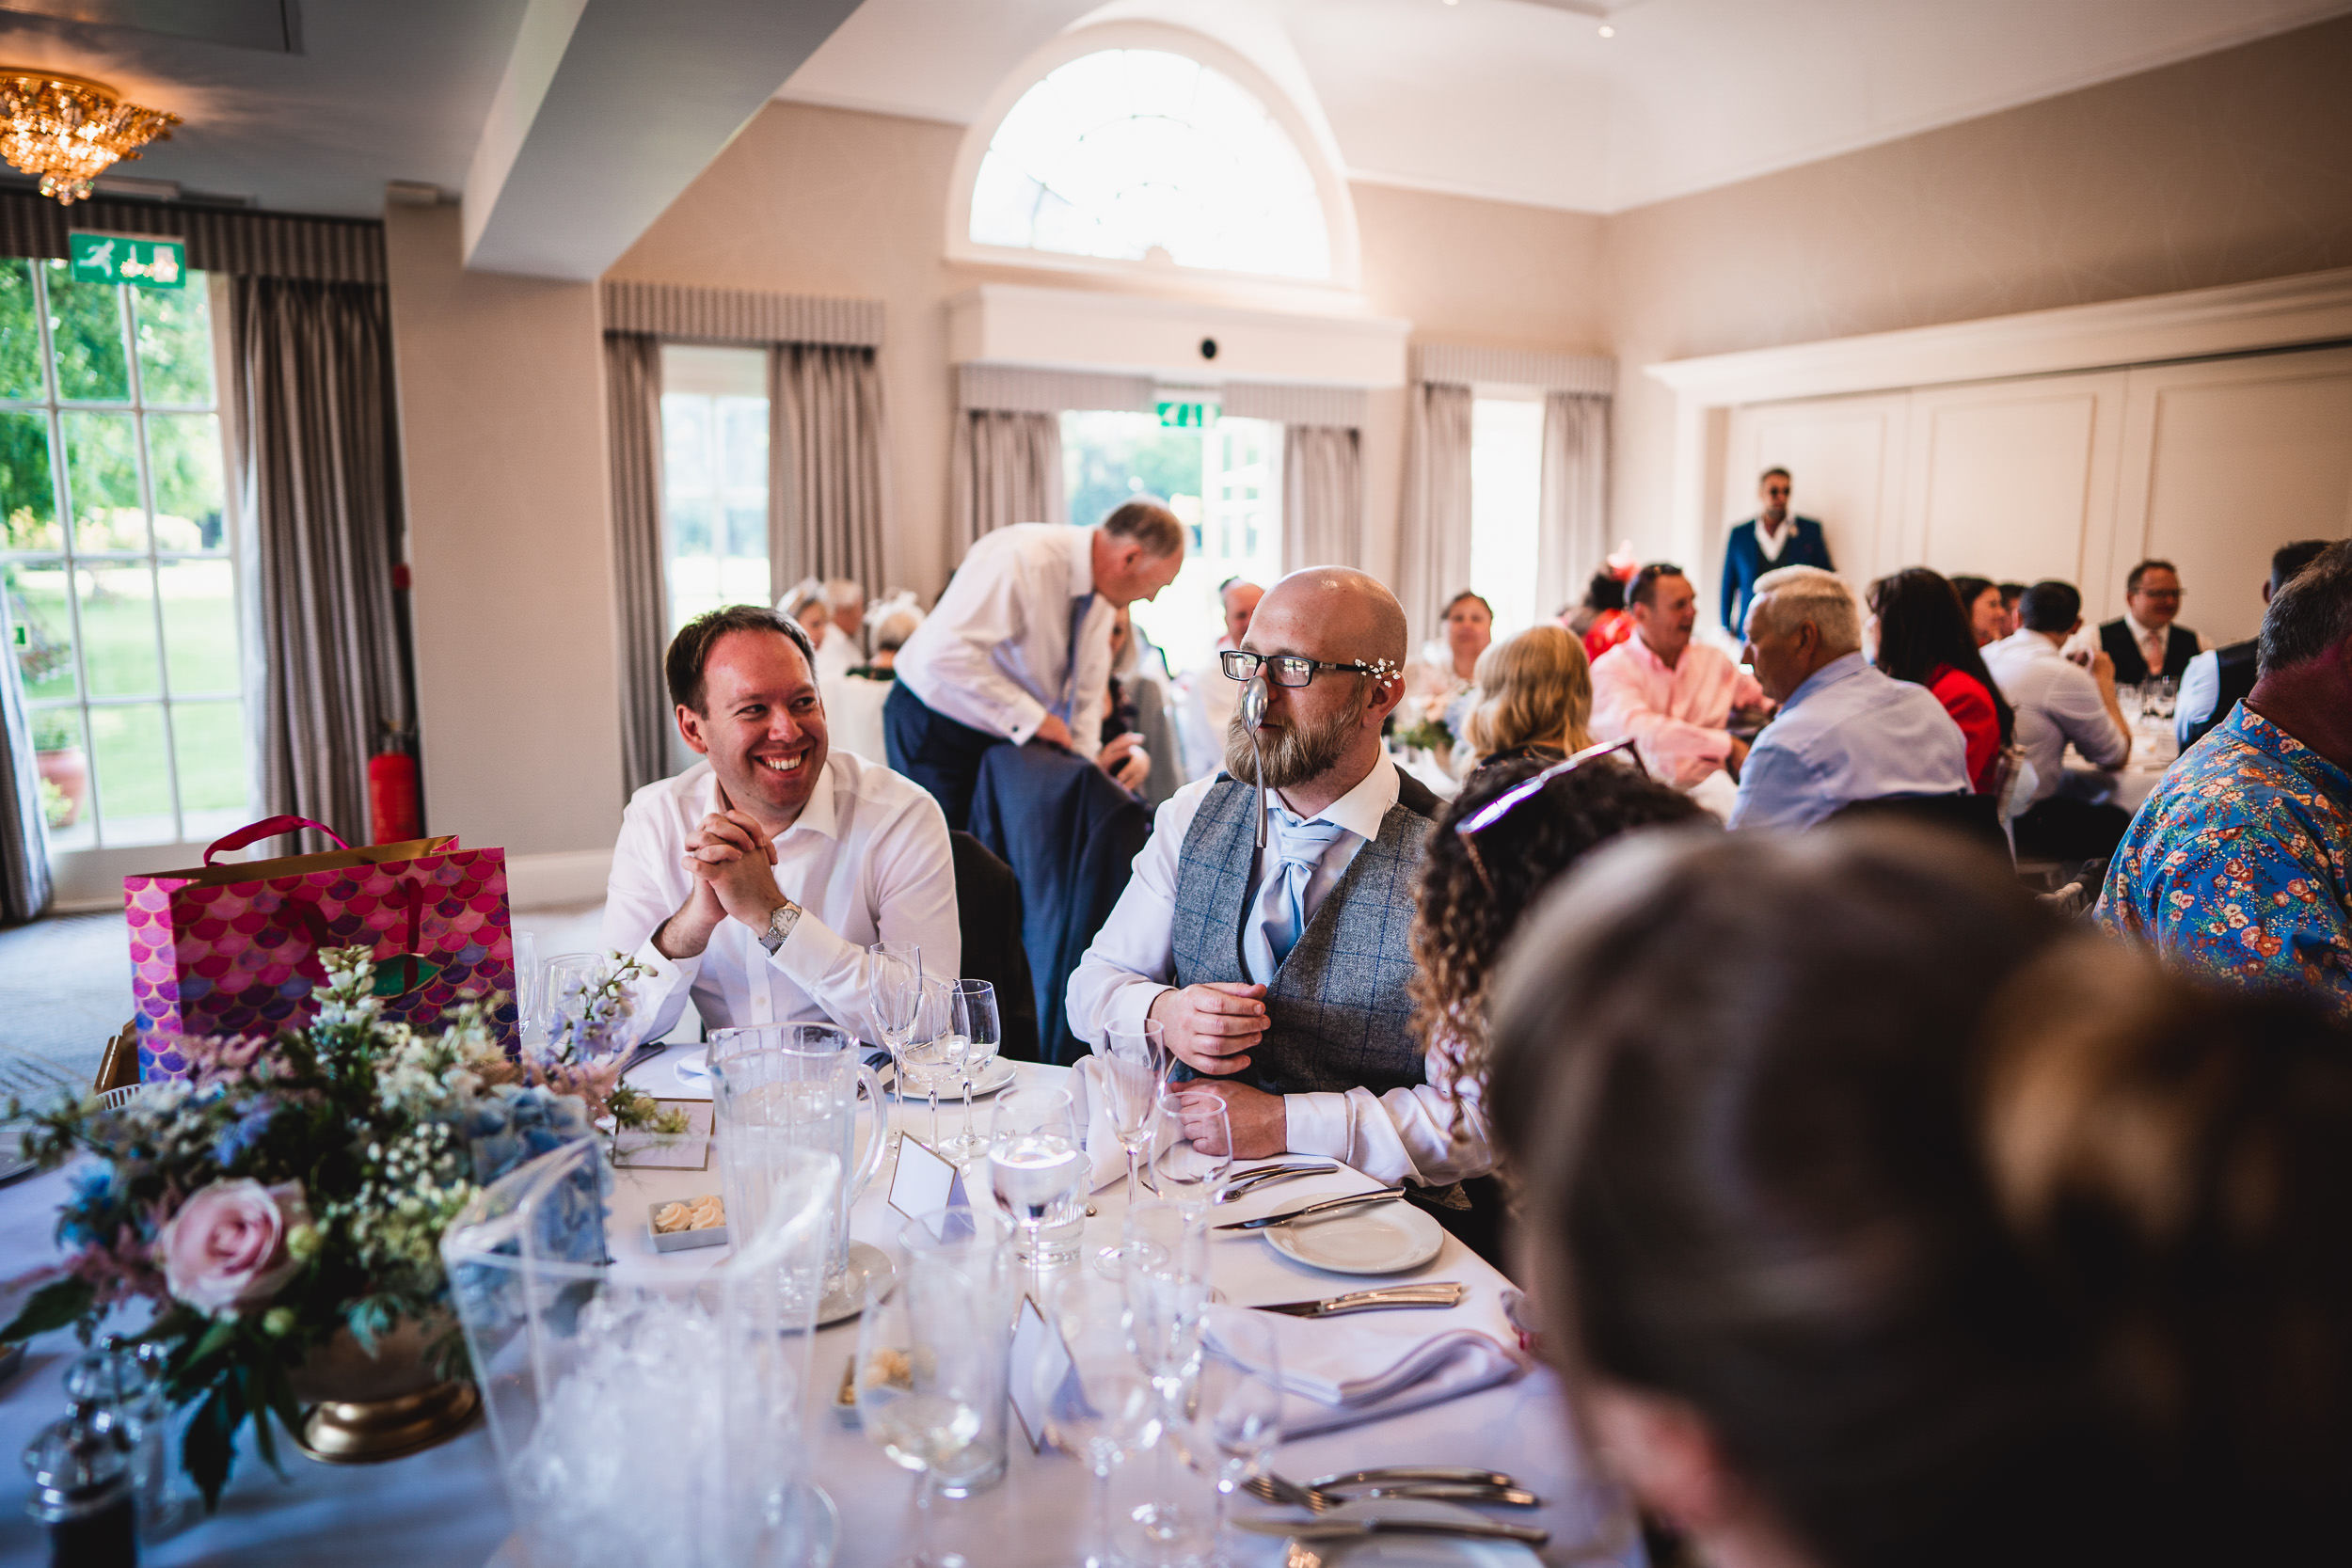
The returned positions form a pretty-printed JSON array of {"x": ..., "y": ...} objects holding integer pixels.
[{"x": 225, "y": 1250}]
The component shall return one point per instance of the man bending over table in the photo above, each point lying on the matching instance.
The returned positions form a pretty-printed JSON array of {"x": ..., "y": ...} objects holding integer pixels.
[
  {"x": 755, "y": 880},
  {"x": 1280, "y": 977}
]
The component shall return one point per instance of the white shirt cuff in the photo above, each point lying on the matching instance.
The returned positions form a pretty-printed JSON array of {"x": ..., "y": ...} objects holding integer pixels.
[
  {"x": 1131, "y": 1005},
  {"x": 665, "y": 972},
  {"x": 1316, "y": 1124},
  {"x": 810, "y": 953}
]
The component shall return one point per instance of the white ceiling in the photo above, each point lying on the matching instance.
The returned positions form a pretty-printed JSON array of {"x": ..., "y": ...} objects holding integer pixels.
[{"x": 1524, "y": 101}]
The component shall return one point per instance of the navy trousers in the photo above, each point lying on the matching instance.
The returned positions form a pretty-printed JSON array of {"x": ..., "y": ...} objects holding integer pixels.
[{"x": 936, "y": 751}]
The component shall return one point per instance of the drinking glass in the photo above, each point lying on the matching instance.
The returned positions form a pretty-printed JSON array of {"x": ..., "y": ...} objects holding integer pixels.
[
  {"x": 527, "y": 1019},
  {"x": 1037, "y": 1169},
  {"x": 894, "y": 989},
  {"x": 2158, "y": 696},
  {"x": 583, "y": 1024},
  {"x": 1095, "y": 1402},
  {"x": 1134, "y": 1066},
  {"x": 1192, "y": 1149},
  {"x": 976, "y": 1021},
  {"x": 1165, "y": 1258},
  {"x": 934, "y": 1050},
  {"x": 1236, "y": 1405},
  {"x": 930, "y": 1361}
]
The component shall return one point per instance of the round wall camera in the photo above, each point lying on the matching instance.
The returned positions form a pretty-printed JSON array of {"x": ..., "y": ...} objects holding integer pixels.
[{"x": 1208, "y": 348}]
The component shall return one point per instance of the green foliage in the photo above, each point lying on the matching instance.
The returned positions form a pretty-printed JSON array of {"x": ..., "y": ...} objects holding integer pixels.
[
  {"x": 19, "y": 331},
  {"x": 58, "y": 1305},
  {"x": 86, "y": 331},
  {"x": 1110, "y": 459}
]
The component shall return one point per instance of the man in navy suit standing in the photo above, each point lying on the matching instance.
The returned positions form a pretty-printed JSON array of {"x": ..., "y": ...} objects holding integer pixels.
[{"x": 1773, "y": 538}]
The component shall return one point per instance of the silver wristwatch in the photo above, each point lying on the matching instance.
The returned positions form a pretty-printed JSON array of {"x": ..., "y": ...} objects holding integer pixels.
[{"x": 780, "y": 924}]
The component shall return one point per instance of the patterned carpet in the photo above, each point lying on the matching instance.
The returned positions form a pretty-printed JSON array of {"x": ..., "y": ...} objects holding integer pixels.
[{"x": 65, "y": 982}]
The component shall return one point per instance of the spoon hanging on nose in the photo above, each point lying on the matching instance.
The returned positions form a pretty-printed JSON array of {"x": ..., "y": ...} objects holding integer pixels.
[{"x": 1253, "y": 700}]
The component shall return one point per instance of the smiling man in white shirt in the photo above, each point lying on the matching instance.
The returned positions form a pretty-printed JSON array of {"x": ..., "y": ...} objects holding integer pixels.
[
  {"x": 1278, "y": 976},
  {"x": 755, "y": 880},
  {"x": 1019, "y": 647}
]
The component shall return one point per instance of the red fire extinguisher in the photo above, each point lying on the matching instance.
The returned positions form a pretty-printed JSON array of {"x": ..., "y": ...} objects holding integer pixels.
[{"x": 393, "y": 815}]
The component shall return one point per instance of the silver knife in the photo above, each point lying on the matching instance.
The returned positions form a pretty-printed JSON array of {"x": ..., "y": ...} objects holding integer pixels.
[
  {"x": 1436, "y": 1293},
  {"x": 1461, "y": 1475},
  {"x": 1357, "y": 1530},
  {"x": 1385, "y": 1195}
]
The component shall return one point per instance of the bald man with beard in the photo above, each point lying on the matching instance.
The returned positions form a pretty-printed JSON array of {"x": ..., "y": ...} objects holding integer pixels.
[{"x": 1278, "y": 976}]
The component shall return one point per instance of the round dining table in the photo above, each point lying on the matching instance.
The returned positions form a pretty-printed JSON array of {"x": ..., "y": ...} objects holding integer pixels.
[{"x": 445, "y": 1507}]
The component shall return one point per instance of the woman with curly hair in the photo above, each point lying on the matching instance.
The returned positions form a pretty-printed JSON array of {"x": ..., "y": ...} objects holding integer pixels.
[
  {"x": 1473, "y": 891},
  {"x": 1535, "y": 698}
]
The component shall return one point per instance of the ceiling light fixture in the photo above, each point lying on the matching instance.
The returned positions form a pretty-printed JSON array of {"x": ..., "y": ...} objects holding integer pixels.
[
  {"x": 1607, "y": 31},
  {"x": 69, "y": 130}
]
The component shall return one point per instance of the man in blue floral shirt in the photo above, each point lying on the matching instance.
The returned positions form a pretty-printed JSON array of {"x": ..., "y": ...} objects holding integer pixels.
[{"x": 2238, "y": 868}]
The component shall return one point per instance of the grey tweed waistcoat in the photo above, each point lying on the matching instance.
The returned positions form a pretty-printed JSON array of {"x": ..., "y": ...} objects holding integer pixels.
[{"x": 1337, "y": 1005}]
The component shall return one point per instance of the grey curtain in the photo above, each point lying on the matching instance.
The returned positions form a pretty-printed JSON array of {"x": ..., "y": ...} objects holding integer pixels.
[
  {"x": 828, "y": 501},
  {"x": 633, "y": 394},
  {"x": 1436, "y": 552},
  {"x": 1005, "y": 468},
  {"x": 321, "y": 482},
  {"x": 24, "y": 884},
  {"x": 1323, "y": 497},
  {"x": 1572, "y": 540}
]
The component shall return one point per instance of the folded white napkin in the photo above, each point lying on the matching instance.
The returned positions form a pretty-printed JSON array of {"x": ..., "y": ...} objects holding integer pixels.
[
  {"x": 1103, "y": 1153},
  {"x": 1370, "y": 1366}
]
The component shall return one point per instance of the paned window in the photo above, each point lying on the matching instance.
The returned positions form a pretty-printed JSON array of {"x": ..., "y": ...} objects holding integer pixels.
[
  {"x": 1220, "y": 478},
  {"x": 1506, "y": 485},
  {"x": 714, "y": 478},
  {"x": 120, "y": 559},
  {"x": 1142, "y": 154}
]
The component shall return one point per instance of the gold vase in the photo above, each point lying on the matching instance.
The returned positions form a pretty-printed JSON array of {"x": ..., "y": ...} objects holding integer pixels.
[{"x": 364, "y": 1409}]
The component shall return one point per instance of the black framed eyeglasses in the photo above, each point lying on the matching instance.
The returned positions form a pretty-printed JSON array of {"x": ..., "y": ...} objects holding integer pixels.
[
  {"x": 1525, "y": 790},
  {"x": 1295, "y": 670}
]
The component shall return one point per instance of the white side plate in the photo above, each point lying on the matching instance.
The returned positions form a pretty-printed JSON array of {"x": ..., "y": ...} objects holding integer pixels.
[{"x": 1383, "y": 1238}]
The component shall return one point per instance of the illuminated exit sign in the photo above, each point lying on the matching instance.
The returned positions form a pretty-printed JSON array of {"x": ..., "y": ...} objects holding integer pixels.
[
  {"x": 135, "y": 258},
  {"x": 1187, "y": 415}
]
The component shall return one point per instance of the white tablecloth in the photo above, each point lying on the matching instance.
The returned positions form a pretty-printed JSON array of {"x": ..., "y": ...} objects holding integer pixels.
[{"x": 445, "y": 1506}]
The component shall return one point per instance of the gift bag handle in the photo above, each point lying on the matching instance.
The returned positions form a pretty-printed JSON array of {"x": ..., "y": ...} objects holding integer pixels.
[{"x": 268, "y": 827}]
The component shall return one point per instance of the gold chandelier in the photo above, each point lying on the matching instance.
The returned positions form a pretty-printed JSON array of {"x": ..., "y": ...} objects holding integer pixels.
[{"x": 70, "y": 131}]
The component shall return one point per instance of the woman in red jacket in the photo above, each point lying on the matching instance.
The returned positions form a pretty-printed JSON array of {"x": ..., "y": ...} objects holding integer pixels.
[{"x": 1924, "y": 638}]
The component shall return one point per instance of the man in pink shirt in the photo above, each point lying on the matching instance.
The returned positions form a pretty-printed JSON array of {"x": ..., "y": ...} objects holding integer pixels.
[{"x": 1671, "y": 696}]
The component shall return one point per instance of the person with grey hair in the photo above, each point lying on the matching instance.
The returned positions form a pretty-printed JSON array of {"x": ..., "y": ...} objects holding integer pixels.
[
  {"x": 844, "y": 647},
  {"x": 1844, "y": 732},
  {"x": 2238, "y": 867},
  {"x": 756, "y": 880}
]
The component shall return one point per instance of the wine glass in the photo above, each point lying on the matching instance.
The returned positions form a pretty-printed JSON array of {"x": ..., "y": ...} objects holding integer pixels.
[
  {"x": 894, "y": 989},
  {"x": 974, "y": 1004},
  {"x": 1165, "y": 1259},
  {"x": 934, "y": 1051},
  {"x": 1095, "y": 1402},
  {"x": 930, "y": 1360},
  {"x": 1038, "y": 1169},
  {"x": 1236, "y": 1404},
  {"x": 1192, "y": 1149},
  {"x": 585, "y": 1023}
]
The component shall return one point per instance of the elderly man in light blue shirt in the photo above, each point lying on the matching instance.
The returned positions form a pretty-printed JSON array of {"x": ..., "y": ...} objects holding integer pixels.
[{"x": 1844, "y": 732}]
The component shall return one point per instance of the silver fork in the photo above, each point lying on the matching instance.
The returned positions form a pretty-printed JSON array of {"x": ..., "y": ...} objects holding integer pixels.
[{"x": 1275, "y": 1489}]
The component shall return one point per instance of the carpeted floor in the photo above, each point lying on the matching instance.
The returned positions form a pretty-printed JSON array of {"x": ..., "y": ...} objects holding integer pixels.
[{"x": 65, "y": 982}]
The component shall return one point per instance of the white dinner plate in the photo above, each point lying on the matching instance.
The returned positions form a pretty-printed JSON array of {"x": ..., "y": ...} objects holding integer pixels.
[
  {"x": 993, "y": 1077},
  {"x": 1381, "y": 1238},
  {"x": 1420, "y": 1551}
]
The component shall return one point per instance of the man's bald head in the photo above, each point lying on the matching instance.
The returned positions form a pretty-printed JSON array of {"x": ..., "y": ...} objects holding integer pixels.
[{"x": 1334, "y": 612}]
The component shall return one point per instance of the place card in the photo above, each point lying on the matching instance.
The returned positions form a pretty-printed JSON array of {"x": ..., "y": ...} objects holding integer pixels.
[
  {"x": 926, "y": 1181},
  {"x": 1038, "y": 1348}
]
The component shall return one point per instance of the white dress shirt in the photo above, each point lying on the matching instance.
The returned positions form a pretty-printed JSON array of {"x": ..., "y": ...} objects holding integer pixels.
[
  {"x": 867, "y": 862},
  {"x": 2056, "y": 701},
  {"x": 1407, "y": 1134},
  {"x": 1209, "y": 698},
  {"x": 838, "y": 654},
  {"x": 995, "y": 653}
]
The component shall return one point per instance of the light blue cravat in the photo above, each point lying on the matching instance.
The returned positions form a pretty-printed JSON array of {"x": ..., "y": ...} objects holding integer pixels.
[{"x": 1277, "y": 917}]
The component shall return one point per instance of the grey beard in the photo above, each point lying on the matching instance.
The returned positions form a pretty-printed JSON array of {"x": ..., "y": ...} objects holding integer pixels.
[{"x": 1293, "y": 755}]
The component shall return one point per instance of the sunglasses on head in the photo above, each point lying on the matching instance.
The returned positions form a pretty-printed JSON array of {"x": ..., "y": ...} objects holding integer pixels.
[{"x": 1525, "y": 790}]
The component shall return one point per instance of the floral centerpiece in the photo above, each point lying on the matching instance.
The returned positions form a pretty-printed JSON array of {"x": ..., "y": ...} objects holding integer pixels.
[{"x": 294, "y": 1190}]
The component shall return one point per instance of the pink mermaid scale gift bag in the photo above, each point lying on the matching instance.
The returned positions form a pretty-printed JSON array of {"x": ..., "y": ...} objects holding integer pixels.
[{"x": 232, "y": 949}]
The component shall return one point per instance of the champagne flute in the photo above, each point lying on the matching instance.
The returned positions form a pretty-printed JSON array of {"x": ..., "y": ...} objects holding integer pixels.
[
  {"x": 894, "y": 989},
  {"x": 1236, "y": 1407},
  {"x": 1133, "y": 1064},
  {"x": 1192, "y": 1149},
  {"x": 1096, "y": 1403},
  {"x": 1037, "y": 1169},
  {"x": 1165, "y": 1259},
  {"x": 974, "y": 1004}
]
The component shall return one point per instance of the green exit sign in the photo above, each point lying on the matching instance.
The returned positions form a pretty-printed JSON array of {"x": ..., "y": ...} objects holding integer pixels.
[
  {"x": 1187, "y": 415},
  {"x": 136, "y": 258}
]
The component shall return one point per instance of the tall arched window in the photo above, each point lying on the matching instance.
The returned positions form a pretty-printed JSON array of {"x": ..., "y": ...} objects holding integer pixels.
[{"x": 1125, "y": 153}]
